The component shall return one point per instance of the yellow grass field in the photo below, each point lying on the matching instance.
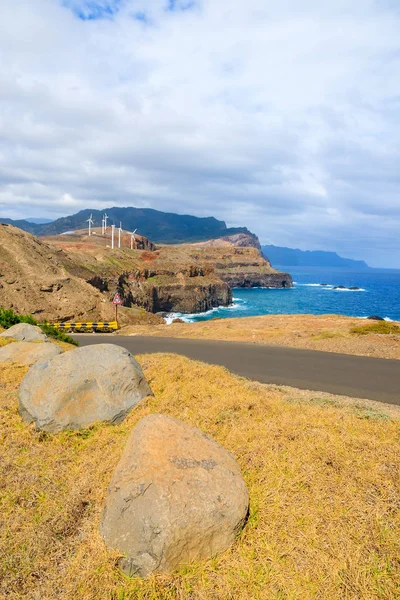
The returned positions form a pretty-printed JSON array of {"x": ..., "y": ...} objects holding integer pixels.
[{"x": 323, "y": 475}]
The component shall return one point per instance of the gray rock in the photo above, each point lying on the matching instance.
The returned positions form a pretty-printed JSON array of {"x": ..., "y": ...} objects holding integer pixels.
[
  {"x": 23, "y": 332},
  {"x": 176, "y": 496},
  {"x": 72, "y": 391},
  {"x": 28, "y": 353}
]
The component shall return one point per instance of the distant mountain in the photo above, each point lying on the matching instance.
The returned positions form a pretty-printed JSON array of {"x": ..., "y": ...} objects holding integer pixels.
[
  {"x": 289, "y": 257},
  {"x": 38, "y": 221},
  {"x": 167, "y": 228},
  {"x": 22, "y": 224}
]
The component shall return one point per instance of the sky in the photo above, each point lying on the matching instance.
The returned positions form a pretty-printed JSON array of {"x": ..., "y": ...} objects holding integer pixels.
[{"x": 280, "y": 116}]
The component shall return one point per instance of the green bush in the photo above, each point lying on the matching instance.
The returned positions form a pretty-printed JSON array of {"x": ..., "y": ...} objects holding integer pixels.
[{"x": 8, "y": 318}]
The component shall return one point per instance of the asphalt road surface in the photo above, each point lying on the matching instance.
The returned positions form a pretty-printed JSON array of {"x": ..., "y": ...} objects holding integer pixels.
[{"x": 354, "y": 376}]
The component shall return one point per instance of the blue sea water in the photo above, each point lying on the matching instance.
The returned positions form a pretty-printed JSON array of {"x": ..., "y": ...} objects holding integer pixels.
[{"x": 379, "y": 295}]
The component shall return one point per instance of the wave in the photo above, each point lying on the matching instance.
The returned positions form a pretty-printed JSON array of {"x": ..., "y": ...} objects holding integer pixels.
[
  {"x": 314, "y": 285},
  {"x": 388, "y": 319},
  {"x": 193, "y": 317},
  {"x": 348, "y": 290},
  {"x": 329, "y": 287}
]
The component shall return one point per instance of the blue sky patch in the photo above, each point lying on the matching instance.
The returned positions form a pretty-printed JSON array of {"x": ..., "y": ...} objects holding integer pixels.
[
  {"x": 90, "y": 10},
  {"x": 175, "y": 5}
]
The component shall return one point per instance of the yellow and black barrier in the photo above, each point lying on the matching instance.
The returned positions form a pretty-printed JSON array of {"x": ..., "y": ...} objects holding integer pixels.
[{"x": 87, "y": 326}]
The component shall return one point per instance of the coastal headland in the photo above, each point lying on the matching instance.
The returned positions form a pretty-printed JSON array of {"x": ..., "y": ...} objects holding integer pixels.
[{"x": 76, "y": 275}]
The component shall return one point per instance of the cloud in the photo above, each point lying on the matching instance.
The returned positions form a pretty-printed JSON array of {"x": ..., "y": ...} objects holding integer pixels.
[{"x": 279, "y": 116}]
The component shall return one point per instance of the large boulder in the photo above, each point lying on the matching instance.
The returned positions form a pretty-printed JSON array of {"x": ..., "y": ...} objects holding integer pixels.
[
  {"x": 23, "y": 332},
  {"x": 28, "y": 353},
  {"x": 176, "y": 496},
  {"x": 72, "y": 391}
]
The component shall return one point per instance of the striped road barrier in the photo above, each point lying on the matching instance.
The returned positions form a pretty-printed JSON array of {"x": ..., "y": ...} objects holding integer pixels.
[{"x": 87, "y": 326}]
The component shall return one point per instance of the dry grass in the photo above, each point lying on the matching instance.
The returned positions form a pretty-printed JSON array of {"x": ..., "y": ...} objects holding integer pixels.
[
  {"x": 381, "y": 327},
  {"x": 329, "y": 333},
  {"x": 323, "y": 481}
]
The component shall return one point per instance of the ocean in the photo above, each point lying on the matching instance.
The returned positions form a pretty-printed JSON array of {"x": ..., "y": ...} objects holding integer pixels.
[{"x": 379, "y": 294}]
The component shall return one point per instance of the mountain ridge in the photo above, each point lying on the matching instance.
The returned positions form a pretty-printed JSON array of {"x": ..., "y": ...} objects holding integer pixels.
[
  {"x": 160, "y": 227},
  {"x": 294, "y": 257}
]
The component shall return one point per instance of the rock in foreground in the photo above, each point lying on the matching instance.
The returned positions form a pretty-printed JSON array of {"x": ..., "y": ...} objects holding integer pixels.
[
  {"x": 28, "y": 353},
  {"x": 23, "y": 332},
  {"x": 176, "y": 496},
  {"x": 83, "y": 386}
]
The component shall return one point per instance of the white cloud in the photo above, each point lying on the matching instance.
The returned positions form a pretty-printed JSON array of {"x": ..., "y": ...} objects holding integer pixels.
[{"x": 279, "y": 116}]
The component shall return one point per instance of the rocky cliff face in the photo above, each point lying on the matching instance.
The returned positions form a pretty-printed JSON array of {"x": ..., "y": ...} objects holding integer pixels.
[
  {"x": 157, "y": 279},
  {"x": 235, "y": 263},
  {"x": 164, "y": 293}
]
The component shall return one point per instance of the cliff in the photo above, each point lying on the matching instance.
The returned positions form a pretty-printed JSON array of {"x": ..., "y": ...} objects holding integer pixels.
[
  {"x": 238, "y": 261},
  {"x": 158, "y": 279},
  {"x": 188, "y": 278}
]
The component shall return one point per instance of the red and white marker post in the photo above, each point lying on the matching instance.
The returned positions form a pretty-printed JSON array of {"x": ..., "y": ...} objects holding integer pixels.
[{"x": 116, "y": 301}]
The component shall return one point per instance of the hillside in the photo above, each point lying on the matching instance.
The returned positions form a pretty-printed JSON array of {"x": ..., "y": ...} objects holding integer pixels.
[
  {"x": 160, "y": 227},
  {"x": 290, "y": 257},
  {"x": 34, "y": 280}
]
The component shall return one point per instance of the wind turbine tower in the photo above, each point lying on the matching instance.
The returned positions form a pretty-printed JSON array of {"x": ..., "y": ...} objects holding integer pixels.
[
  {"x": 133, "y": 239},
  {"x": 119, "y": 234},
  {"x": 105, "y": 222},
  {"x": 90, "y": 222},
  {"x": 112, "y": 235}
]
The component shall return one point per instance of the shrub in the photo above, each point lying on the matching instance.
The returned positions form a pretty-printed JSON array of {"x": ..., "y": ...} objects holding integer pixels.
[
  {"x": 8, "y": 318},
  {"x": 384, "y": 327}
]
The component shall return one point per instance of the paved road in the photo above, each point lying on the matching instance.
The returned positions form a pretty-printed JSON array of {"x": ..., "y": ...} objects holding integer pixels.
[{"x": 355, "y": 376}]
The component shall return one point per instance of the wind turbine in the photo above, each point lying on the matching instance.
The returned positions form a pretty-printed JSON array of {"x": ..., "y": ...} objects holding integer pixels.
[
  {"x": 112, "y": 235},
  {"x": 90, "y": 221},
  {"x": 133, "y": 239},
  {"x": 119, "y": 234},
  {"x": 105, "y": 222}
]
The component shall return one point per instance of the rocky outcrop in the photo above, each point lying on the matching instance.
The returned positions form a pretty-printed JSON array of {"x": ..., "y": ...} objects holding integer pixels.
[
  {"x": 28, "y": 353},
  {"x": 23, "y": 332},
  {"x": 239, "y": 266},
  {"x": 239, "y": 240},
  {"x": 176, "y": 496},
  {"x": 72, "y": 391},
  {"x": 178, "y": 293},
  {"x": 247, "y": 278}
]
